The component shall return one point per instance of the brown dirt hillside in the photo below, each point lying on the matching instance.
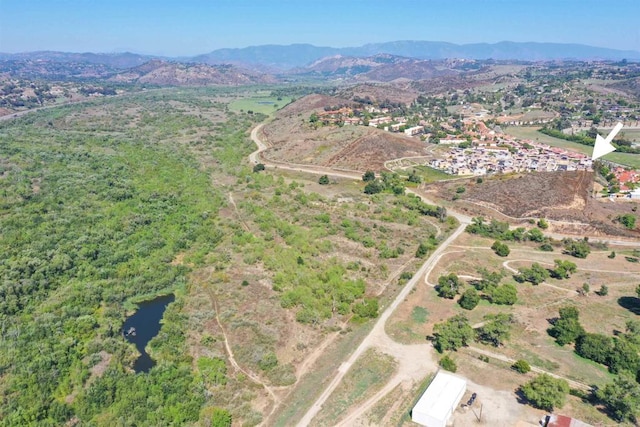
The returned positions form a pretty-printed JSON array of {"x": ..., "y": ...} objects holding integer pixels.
[
  {"x": 561, "y": 196},
  {"x": 293, "y": 139},
  {"x": 394, "y": 92}
]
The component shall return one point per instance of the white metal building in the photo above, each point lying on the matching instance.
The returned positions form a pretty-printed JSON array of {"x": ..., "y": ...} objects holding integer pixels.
[{"x": 440, "y": 399}]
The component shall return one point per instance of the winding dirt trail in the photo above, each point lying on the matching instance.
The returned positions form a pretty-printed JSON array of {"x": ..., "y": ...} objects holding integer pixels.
[{"x": 413, "y": 360}]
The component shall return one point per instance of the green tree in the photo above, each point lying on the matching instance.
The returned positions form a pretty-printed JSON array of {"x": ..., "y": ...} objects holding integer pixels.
[
  {"x": 452, "y": 334},
  {"x": 500, "y": 248},
  {"x": 423, "y": 249},
  {"x": 448, "y": 363},
  {"x": 414, "y": 177},
  {"x": 324, "y": 180},
  {"x": 521, "y": 366},
  {"x": 220, "y": 418},
  {"x": 604, "y": 290},
  {"x": 624, "y": 356},
  {"x": 373, "y": 187},
  {"x": 535, "y": 275},
  {"x": 258, "y": 167},
  {"x": 496, "y": 329},
  {"x": 546, "y": 392},
  {"x": 628, "y": 221},
  {"x": 566, "y": 329},
  {"x": 469, "y": 299},
  {"x": 535, "y": 235},
  {"x": 546, "y": 247},
  {"x": 622, "y": 398},
  {"x": 490, "y": 279},
  {"x": 563, "y": 269},
  {"x": 577, "y": 248},
  {"x": 448, "y": 286},
  {"x": 369, "y": 176},
  {"x": 596, "y": 347}
]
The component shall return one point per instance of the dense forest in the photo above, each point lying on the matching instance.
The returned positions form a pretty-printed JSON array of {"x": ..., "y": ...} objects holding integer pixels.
[{"x": 91, "y": 220}]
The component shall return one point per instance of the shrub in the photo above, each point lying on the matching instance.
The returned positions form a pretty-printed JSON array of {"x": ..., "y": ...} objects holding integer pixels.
[
  {"x": 324, "y": 180},
  {"x": 369, "y": 176},
  {"x": 258, "y": 167},
  {"x": 506, "y": 294},
  {"x": 543, "y": 224},
  {"x": 628, "y": 220},
  {"x": 521, "y": 366},
  {"x": 366, "y": 309},
  {"x": 448, "y": 364},
  {"x": 500, "y": 248}
]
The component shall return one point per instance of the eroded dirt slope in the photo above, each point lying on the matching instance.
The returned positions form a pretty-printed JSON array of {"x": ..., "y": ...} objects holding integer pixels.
[{"x": 294, "y": 139}]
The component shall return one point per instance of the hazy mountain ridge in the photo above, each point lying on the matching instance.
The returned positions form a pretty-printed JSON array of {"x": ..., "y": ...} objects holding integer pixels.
[
  {"x": 287, "y": 57},
  {"x": 296, "y": 55},
  {"x": 121, "y": 60},
  {"x": 383, "y": 68}
]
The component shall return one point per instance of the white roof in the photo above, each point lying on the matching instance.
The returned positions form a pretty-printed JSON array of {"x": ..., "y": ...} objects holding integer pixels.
[{"x": 439, "y": 399}]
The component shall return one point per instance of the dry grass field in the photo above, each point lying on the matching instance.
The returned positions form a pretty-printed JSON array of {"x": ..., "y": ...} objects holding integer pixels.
[{"x": 414, "y": 319}]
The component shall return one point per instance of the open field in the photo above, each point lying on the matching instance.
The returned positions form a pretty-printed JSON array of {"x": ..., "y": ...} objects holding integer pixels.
[
  {"x": 536, "y": 304},
  {"x": 371, "y": 371},
  {"x": 266, "y": 104},
  {"x": 526, "y": 132}
]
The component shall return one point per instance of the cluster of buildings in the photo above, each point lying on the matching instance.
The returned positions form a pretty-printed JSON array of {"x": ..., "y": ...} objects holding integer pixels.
[
  {"x": 510, "y": 156},
  {"x": 627, "y": 179}
]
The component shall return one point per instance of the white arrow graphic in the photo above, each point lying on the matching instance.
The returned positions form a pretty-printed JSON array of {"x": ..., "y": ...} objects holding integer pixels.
[{"x": 603, "y": 146}]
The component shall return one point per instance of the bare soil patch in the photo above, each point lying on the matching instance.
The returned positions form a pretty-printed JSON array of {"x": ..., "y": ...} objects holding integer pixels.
[
  {"x": 566, "y": 197},
  {"x": 293, "y": 139}
]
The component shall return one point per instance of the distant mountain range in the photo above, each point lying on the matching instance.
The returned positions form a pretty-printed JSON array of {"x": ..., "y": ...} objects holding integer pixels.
[
  {"x": 298, "y": 55},
  {"x": 278, "y": 58}
]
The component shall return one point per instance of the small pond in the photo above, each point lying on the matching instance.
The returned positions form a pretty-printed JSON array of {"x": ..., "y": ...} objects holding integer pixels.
[{"x": 143, "y": 325}]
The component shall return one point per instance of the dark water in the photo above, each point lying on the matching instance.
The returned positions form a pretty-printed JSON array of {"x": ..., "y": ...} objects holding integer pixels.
[{"x": 146, "y": 321}]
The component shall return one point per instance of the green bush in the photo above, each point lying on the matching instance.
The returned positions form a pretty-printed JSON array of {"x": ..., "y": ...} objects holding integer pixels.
[
  {"x": 500, "y": 249},
  {"x": 521, "y": 366},
  {"x": 448, "y": 363},
  {"x": 546, "y": 392}
]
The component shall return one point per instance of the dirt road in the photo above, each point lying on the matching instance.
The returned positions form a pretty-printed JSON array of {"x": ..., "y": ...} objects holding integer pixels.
[
  {"x": 377, "y": 337},
  {"x": 413, "y": 360}
]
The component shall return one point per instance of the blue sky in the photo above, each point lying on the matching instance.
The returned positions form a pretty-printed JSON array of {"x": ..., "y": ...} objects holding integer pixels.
[{"x": 188, "y": 27}]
